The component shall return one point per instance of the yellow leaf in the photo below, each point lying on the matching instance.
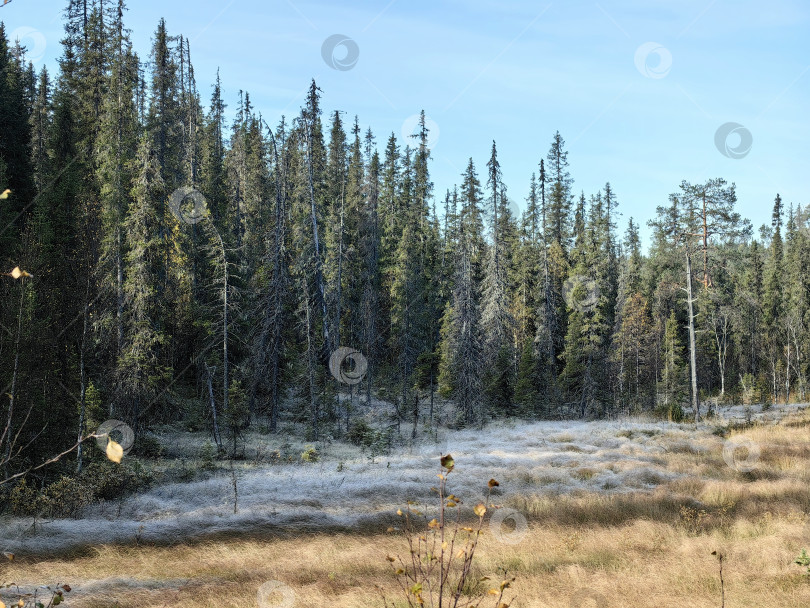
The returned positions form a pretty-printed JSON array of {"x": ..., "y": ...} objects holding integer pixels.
[
  {"x": 493, "y": 483},
  {"x": 400, "y": 571},
  {"x": 17, "y": 273},
  {"x": 399, "y": 512},
  {"x": 433, "y": 524},
  {"x": 480, "y": 509},
  {"x": 450, "y": 503},
  {"x": 10, "y": 556},
  {"x": 448, "y": 462},
  {"x": 460, "y": 554},
  {"x": 114, "y": 451},
  {"x": 389, "y": 558},
  {"x": 493, "y": 592},
  {"x": 5, "y": 194}
]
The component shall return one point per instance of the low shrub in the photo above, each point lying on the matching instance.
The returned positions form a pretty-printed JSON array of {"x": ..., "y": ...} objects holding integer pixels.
[{"x": 68, "y": 495}]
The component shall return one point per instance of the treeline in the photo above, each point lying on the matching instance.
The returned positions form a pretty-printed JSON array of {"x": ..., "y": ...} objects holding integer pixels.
[{"x": 312, "y": 237}]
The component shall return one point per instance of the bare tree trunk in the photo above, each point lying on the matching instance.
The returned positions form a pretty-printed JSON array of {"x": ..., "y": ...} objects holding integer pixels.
[
  {"x": 119, "y": 286},
  {"x": 217, "y": 437},
  {"x": 800, "y": 379},
  {"x": 638, "y": 373},
  {"x": 82, "y": 382},
  {"x": 8, "y": 431},
  {"x": 431, "y": 396},
  {"x": 415, "y": 413},
  {"x": 692, "y": 346},
  {"x": 225, "y": 405},
  {"x": 340, "y": 271},
  {"x": 721, "y": 339},
  {"x": 313, "y": 403},
  {"x": 318, "y": 271},
  {"x": 788, "y": 353}
]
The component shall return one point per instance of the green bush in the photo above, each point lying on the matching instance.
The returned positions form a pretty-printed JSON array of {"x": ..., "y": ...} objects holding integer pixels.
[
  {"x": 68, "y": 495},
  {"x": 360, "y": 433},
  {"x": 148, "y": 445},
  {"x": 376, "y": 441},
  {"x": 110, "y": 481},
  {"x": 22, "y": 499},
  {"x": 65, "y": 497},
  {"x": 675, "y": 413}
]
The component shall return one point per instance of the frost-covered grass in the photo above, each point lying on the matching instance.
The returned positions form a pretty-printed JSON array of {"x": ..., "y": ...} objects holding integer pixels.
[
  {"x": 345, "y": 488},
  {"x": 631, "y": 509}
]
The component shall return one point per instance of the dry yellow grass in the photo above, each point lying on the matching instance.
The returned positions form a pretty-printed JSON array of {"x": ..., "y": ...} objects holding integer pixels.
[{"x": 588, "y": 550}]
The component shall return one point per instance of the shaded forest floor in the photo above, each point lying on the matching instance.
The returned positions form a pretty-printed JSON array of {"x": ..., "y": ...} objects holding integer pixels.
[{"x": 624, "y": 513}]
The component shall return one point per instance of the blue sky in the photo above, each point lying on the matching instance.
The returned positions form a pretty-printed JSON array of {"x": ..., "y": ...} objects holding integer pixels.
[{"x": 638, "y": 89}]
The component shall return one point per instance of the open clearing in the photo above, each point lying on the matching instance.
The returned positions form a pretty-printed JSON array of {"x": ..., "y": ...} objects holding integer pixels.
[{"x": 620, "y": 513}]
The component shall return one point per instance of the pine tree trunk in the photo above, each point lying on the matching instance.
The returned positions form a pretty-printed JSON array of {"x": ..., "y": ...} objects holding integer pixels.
[
  {"x": 82, "y": 382},
  {"x": 217, "y": 438},
  {"x": 415, "y": 415},
  {"x": 692, "y": 348},
  {"x": 313, "y": 403},
  {"x": 119, "y": 286},
  {"x": 8, "y": 431},
  {"x": 787, "y": 373},
  {"x": 225, "y": 405},
  {"x": 316, "y": 242}
]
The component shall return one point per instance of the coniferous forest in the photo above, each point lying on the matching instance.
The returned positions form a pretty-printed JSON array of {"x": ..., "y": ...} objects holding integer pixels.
[{"x": 172, "y": 266}]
